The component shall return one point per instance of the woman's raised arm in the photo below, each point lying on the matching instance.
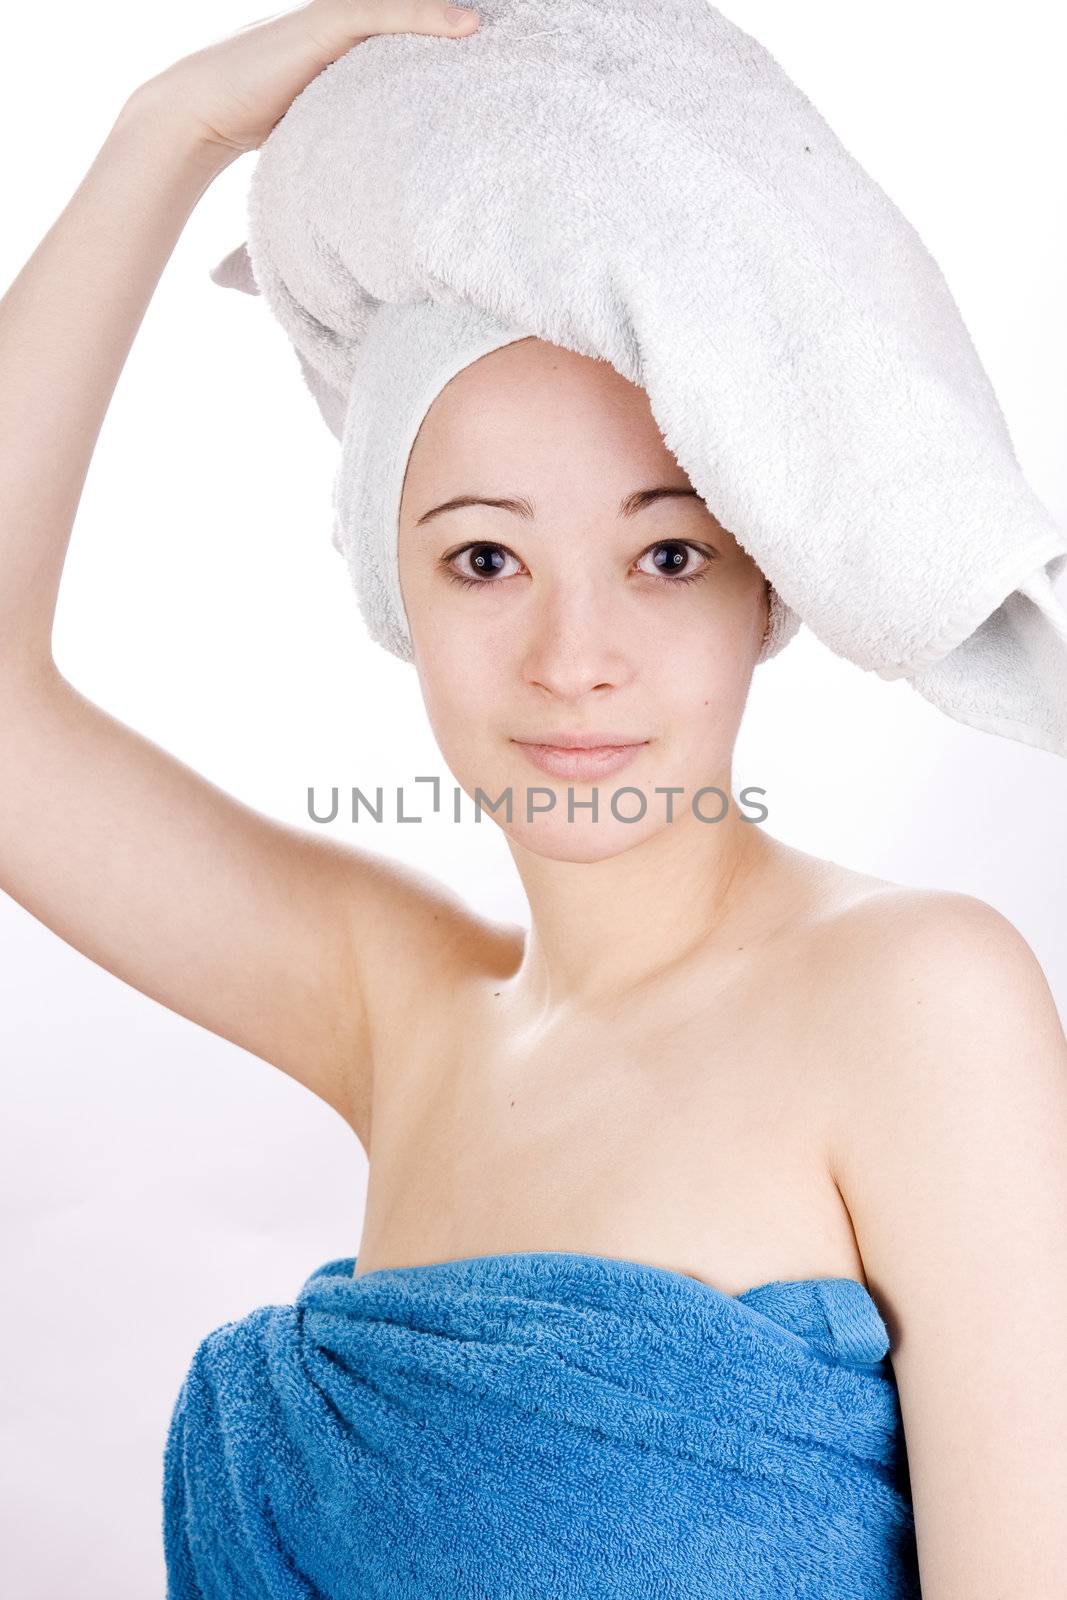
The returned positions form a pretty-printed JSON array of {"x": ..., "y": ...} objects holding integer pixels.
[{"x": 246, "y": 925}]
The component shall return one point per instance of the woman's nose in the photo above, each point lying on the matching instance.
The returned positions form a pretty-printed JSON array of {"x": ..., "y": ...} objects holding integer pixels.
[{"x": 575, "y": 639}]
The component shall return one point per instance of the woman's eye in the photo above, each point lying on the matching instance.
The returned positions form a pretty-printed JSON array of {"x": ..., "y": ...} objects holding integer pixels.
[
  {"x": 676, "y": 557},
  {"x": 487, "y": 561},
  {"x": 482, "y": 564}
]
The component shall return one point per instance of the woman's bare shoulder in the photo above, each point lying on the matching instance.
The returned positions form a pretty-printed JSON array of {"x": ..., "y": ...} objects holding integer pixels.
[
  {"x": 849, "y": 915},
  {"x": 916, "y": 994},
  {"x": 879, "y": 930},
  {"x": 882, "y": 967}
]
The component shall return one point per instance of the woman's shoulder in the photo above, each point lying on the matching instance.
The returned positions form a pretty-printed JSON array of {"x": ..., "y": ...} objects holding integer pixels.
[
  {"x": 883, "y": 951},
  {"x": 888, "y": 934},
  {"x": 883, "y": 970},
  {"x": 921, "y": 995},
  {"x": 864, "y": 922}
]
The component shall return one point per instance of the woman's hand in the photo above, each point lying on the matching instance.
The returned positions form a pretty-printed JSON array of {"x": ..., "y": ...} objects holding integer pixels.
[{"x": 236, "y": 90}]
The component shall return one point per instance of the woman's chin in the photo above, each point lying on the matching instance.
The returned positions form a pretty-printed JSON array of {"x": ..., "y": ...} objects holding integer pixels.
[{"x": 585, "y": 842}]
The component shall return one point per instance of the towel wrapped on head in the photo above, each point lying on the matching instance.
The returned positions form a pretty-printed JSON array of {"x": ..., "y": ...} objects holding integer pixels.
[
  {"x": 542, "y": 1426},
  {"x": 646, "y": 186}
]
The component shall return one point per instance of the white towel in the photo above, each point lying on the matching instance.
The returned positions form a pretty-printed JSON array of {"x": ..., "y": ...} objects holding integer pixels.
[{"x": 645, "y": 185}]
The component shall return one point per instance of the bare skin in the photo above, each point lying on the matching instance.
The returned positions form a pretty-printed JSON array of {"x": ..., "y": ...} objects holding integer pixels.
[
  {"x": 711, "y": 1052},
  {"x": 642, "y": 1074},
  {"x": 686, "y": 1124}
]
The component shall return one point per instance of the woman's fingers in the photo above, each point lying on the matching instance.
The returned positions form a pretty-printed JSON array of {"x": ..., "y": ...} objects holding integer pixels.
[
  {"x": 362, "y": 19},
  {"x": 237, "y": 89}
]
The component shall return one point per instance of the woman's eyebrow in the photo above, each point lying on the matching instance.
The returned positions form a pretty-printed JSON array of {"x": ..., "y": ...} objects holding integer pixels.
[{"x": 628, "y": 507}]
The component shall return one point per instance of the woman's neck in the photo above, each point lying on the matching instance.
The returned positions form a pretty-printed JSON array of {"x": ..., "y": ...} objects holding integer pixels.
[{"x": 601, "y": 929}]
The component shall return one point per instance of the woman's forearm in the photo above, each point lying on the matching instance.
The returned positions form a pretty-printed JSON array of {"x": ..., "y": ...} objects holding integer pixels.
[{"x": 66, "y": 326}]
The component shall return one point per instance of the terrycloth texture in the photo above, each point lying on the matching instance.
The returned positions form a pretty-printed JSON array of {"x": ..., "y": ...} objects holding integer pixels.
[
  {"x": 408, "y": 354},
  {"x": 542, "y": 1426},
  {"x": 647, "y": 186}
]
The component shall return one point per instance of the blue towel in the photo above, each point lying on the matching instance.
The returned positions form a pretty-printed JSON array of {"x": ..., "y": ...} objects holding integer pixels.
[{"x": 540, "y": 1426}]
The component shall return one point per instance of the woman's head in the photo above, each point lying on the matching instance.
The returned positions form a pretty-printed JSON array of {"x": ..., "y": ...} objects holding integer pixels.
[{"x": 585, "y": 604}]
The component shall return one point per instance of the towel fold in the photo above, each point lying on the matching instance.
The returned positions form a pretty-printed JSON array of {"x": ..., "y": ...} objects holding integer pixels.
[
  {"x": 645, "y": 185},
  {"x": 541, "y": 1426}
]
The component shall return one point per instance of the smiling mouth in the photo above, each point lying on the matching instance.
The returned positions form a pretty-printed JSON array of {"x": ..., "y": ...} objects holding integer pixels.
[
  {"x": 579, "y": 760},
  {"x": 579, "y": 741}
]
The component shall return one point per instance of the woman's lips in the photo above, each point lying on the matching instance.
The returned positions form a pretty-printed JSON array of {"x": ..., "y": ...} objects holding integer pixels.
[{"x": 591, "y": 762}]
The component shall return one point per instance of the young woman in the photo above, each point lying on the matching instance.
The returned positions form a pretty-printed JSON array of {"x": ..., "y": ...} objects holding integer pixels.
[{"x": 711, "y": 1053}]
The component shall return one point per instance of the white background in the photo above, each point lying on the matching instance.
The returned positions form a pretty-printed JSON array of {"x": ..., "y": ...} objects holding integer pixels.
[{"x": 157, "y": 1181}]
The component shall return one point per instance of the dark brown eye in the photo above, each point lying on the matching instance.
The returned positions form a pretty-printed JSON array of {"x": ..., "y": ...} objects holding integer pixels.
[
  {"x": 676, "y": 554},
  {"x": 486, "y": 561}
]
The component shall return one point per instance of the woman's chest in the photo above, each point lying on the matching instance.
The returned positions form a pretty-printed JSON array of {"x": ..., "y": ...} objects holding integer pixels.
[{"x": 692, "y": 1138}]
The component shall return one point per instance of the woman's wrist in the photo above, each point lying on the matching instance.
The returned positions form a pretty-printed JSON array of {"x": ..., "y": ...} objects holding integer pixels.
[{"x": 153, "y": 117}]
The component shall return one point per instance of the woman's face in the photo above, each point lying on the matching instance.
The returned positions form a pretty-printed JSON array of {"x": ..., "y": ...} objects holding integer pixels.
[{"x": 584, "y": 605}]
